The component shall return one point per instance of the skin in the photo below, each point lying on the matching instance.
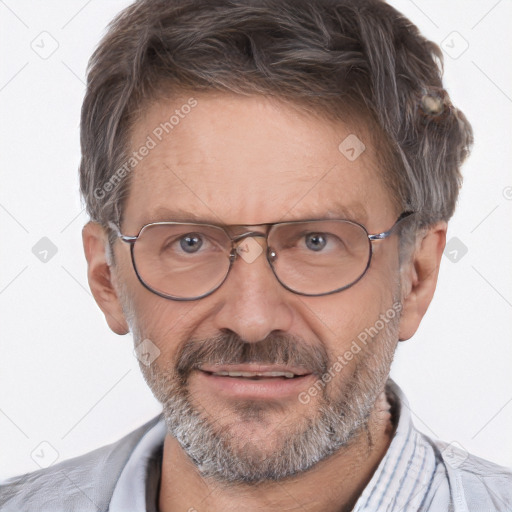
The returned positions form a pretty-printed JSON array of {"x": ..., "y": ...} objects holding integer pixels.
[{"x": 248, "y": 160}]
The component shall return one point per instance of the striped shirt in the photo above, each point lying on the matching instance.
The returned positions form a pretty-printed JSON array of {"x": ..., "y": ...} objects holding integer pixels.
[
  {"x": 421, "y": 474},
  {"x": 416, "y": 474}
]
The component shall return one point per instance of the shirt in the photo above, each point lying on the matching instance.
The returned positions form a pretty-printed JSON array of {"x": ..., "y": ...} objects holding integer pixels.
[{"x": 416, "y": 474}]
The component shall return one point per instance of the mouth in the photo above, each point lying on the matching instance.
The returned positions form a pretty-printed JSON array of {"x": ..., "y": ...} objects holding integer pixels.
[
  {"x": 254, "y": 371},
  {"x": 254, "y": 381},
  {"x": 255, "y": 375}
]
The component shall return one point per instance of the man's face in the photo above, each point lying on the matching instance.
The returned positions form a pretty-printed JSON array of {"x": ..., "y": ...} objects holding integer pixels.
[{"x": 247, "y": 161}]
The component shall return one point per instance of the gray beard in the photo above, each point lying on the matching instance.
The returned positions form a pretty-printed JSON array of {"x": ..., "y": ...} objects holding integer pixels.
[{"x": 219, "y": 453}]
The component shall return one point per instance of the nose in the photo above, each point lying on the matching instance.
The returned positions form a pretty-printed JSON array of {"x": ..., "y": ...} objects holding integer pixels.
[{"x": 254, "y": 304}]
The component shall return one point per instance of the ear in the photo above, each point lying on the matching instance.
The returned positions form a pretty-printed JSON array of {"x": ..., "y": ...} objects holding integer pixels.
[
  {"x": 100, "y": 277},
  {"x": 419, "y": 278}
]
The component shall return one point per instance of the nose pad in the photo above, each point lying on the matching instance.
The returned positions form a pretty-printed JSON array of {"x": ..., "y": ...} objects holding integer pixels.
[{"x": 271, "y": 254}]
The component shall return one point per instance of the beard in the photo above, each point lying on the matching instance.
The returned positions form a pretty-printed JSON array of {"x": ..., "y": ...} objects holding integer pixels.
[{"x": 338, "y": 416}]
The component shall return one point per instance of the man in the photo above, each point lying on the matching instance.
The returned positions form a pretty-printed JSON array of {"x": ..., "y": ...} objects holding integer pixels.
[{"x": 269, "y": 185}]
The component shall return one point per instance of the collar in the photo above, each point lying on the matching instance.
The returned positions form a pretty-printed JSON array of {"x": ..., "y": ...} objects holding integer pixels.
[
  {"x": 138, "y": 486},
  {"x": 404, "y": 476}
]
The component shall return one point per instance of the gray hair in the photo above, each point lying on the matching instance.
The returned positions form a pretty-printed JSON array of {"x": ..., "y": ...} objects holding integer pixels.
[{"x": 338, "y": 59}]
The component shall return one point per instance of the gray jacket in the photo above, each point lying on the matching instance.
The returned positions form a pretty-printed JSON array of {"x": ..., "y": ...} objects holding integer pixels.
[{"x": 84, "y": 483}]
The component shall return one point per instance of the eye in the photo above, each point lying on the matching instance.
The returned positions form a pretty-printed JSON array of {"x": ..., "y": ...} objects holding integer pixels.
[
  {"x": 191, "y": 243},
  {"x": 316, "y": 241}
]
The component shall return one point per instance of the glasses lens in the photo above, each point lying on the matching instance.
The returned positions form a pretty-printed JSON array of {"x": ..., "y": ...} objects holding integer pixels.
[
  {"x": 319, "y": 257},
  {"x": 182, "y": 260}
]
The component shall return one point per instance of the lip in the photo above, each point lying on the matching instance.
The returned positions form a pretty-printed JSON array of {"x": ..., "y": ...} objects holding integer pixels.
[
  {"x": 264, "y": 388},
  {"x": 252, "y": 367}
]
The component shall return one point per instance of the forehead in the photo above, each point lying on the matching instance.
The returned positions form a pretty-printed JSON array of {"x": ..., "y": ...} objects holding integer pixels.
[{"x": 230, "y": 159}]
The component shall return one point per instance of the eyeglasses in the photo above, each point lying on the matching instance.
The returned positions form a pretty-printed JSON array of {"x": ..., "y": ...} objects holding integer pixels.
[{"x": 189, "y": 261}]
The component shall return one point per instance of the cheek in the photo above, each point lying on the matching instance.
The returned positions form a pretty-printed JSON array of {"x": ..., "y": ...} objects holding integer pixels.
[
  {"x": 340, "y": 318},
  {"x": 161, "y": 321}
]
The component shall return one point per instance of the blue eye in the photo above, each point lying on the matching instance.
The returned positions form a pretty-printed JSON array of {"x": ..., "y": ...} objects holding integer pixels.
[
  {"x": 191, "y": 243},
  {"x": 316, "y": 241}
]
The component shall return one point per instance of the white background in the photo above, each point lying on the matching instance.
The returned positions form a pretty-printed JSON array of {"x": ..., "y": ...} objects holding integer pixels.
[{"x": 66, "y": 380}]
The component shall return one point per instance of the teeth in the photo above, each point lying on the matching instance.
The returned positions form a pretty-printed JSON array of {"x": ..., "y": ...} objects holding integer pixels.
[{"x": 288, "y": 375}]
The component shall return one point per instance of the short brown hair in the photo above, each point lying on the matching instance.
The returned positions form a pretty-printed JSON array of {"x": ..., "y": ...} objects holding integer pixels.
[{"x": 332, "y": 57}]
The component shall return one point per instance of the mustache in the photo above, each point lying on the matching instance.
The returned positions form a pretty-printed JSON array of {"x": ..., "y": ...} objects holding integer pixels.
[{"x": 230, "y": 348}]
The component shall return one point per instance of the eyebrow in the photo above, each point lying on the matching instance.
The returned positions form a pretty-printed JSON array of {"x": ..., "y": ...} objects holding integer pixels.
[
  {"x": 354, "y": 212},
  {"x": 167, "y": 214}
]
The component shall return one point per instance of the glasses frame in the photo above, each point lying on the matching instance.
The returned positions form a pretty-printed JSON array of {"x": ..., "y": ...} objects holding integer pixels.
[{"x": 235, "y": 240}]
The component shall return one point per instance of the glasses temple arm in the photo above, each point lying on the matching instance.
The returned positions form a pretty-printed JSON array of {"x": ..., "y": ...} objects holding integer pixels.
[
  {"x": 385, "y": 234},
  {"x": 118, "y": 233}
]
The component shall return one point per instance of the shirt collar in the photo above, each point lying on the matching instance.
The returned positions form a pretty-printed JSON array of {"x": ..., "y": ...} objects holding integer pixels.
[
  {"x": 403, "y": 478},
  {"x": 138, "y": 486}
]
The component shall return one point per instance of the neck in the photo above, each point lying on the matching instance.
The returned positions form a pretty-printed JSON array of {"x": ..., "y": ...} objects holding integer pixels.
[{"x": 332, "y": 485}]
